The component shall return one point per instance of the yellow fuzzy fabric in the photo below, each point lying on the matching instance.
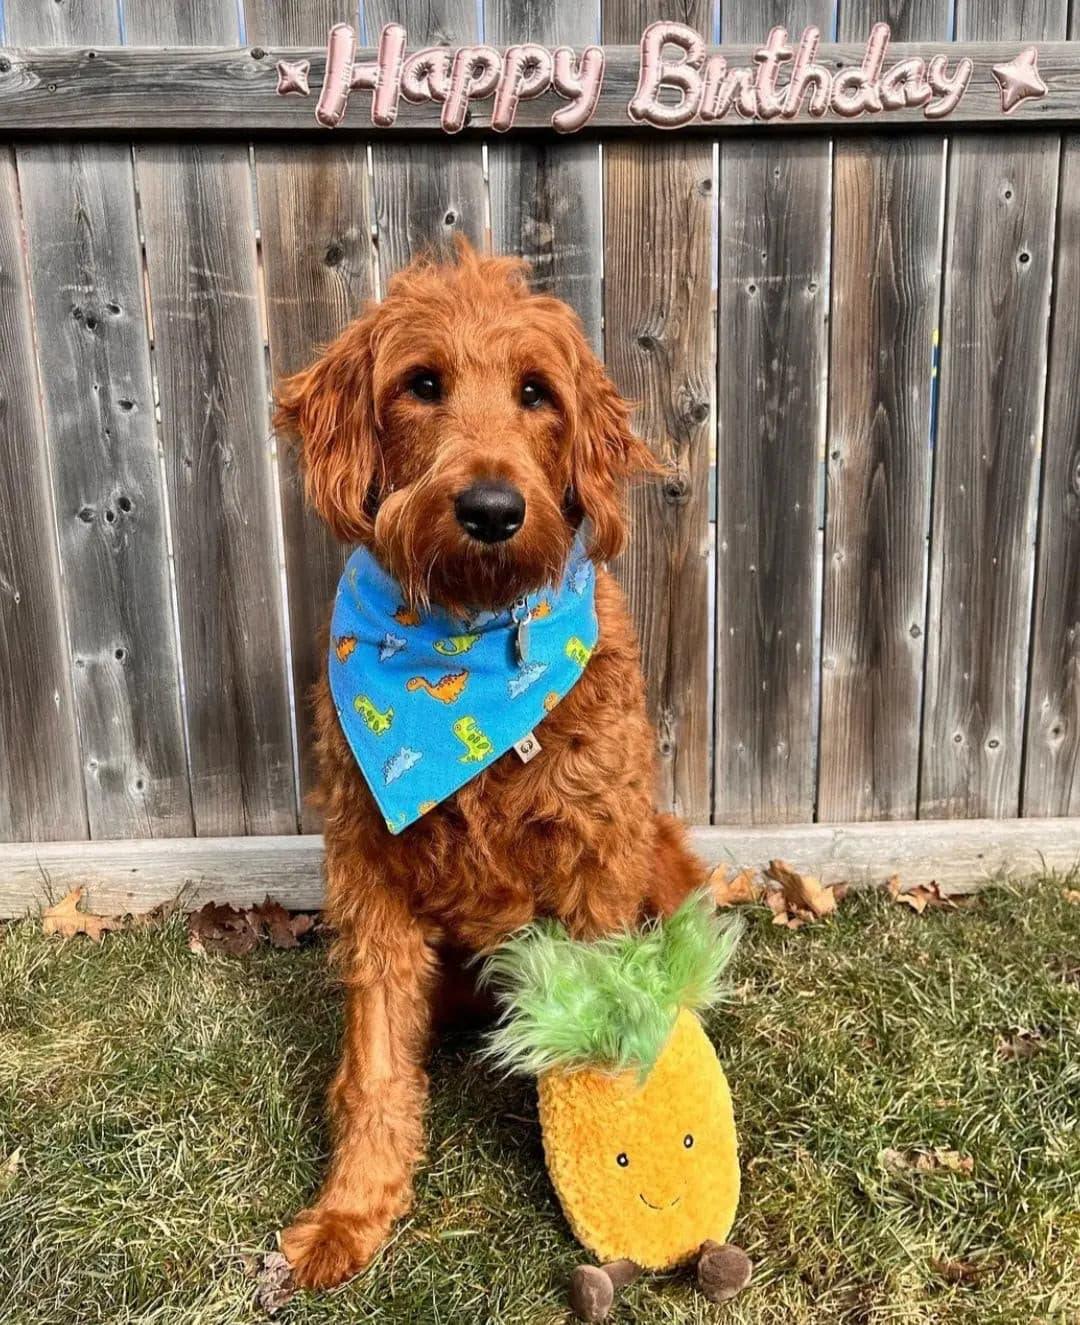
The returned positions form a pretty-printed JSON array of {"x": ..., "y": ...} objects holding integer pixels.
[{"x": 664, "y": 1198}]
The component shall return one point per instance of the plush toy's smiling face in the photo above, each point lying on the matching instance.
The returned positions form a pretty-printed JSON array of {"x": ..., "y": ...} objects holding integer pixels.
[{"x": 646, "y": 1171}]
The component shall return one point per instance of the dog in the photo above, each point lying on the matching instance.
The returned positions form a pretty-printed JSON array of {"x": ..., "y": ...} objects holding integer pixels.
[{"x": 463, "y": 432}]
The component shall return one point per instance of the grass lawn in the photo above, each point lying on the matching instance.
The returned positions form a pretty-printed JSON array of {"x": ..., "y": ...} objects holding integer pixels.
[{"x": 166, "y": 1113}]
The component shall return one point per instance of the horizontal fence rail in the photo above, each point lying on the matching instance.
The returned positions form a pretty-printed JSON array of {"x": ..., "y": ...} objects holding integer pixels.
[
  {"x": 851, "y": 338},
  {"x": 131, "y": 878},
  {"x": 237, "y": 90}
]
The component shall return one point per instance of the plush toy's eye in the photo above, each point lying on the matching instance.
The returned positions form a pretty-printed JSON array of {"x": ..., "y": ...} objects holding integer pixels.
[
  {"x": 426, "y": 386},
  {"x": 532, "y": 394},
  {"x": 688, "y": 1140},
  {"x": 622, "y": 1159}
]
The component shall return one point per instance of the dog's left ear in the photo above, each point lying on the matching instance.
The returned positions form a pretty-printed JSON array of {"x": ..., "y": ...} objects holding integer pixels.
[{"x": 604, "y": 455}]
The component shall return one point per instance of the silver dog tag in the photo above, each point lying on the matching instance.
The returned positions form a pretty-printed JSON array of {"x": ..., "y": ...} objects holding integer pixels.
[{"x": 521, "y": 641}]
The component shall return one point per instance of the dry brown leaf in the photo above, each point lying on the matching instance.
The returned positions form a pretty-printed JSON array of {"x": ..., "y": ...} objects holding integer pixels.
[
  {"x": 216, "y": 928},
  {"x": 802, "y": 892},
  {"x": 272, "y": 919},
  {"x": 736, "y": 889},
  {"x": 958, "y": 1271},
  {"x": 800, "y": 898},
  {"x": 237, "y": 932},
  {"x": 67, "y": 920},
  {"x": 274, "y": 1283},
  {"x": 934, "y": 1160},
  {"x": 1020, "y": 1044},
  {"x": 920, "y": 896},
  {"x": 1071, "y": 895}
]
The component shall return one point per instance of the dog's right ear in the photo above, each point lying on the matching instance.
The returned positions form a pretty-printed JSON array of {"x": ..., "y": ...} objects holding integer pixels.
[{"x": 330, "y": 408}]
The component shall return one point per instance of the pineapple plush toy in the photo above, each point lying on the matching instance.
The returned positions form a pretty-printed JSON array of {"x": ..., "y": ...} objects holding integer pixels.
[{"x": 639, "y": 1133}]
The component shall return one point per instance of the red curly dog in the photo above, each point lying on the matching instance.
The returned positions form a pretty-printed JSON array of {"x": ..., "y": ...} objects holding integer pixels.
[{"x": 462, "y": 375}]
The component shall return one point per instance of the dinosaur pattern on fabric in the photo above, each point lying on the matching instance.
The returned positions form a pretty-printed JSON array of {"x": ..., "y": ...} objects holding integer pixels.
[{"x": 418, "y": 725}]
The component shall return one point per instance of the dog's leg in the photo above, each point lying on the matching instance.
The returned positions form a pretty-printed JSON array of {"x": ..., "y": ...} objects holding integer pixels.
[{"x": 376, "y": 1100}]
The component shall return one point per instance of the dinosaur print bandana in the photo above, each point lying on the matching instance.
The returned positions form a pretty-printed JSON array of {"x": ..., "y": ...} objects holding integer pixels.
[{"x": 427, "y": 702}]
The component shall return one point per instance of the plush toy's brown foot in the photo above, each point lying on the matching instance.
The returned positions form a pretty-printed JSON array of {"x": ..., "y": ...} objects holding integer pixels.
[
  {"x": 593, "y": 1287},
  {"x": 723, "y": 1271}
]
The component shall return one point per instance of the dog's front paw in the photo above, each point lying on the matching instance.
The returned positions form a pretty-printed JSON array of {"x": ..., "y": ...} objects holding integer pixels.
[{"x": 326, "y": 1247}]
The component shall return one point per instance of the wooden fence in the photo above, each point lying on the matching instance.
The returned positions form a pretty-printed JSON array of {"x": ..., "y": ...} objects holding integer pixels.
[{"x": 858, "y": 592}]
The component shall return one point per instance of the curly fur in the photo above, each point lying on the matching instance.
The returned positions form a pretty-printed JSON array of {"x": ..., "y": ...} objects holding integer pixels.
[{"x": 573, "y": 834}]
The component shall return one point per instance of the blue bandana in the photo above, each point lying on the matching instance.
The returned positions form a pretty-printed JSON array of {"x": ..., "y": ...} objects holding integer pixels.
[{"x": 428, "y": 702}]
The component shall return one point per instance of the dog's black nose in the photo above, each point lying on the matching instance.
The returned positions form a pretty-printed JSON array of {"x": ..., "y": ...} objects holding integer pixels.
[{"x": 490, "y": 511}]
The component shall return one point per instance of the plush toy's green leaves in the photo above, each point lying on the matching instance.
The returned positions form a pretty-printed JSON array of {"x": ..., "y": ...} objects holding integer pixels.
[{"x": 608, "y": 1004}]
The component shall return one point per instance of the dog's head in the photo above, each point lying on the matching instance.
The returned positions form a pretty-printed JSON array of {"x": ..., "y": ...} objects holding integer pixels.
[{"x": 463, "y": 429}]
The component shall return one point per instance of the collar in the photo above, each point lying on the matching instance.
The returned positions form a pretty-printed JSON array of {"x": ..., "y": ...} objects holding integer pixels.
[{"x": 428, "y": 701}]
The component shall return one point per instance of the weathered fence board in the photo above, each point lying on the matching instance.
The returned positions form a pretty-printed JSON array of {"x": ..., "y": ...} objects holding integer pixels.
[
  {"x": 315, "y": 219},
  {"x": 547, "y": 198},
  {"x": 122, "y": 878},
  {"x": 660, "y": 351},
  {"x": 423, "y": 194},
  {"x": 93, "y": 351},
  {"x": 886, "y": 265},
  {"x": 234, "y": 89},
  {"x": 200, "y": 255},
  {"x": 41, "y": 790},
  {"x": 1052, "y": 756},
  {"x": 999, "y": 248},
  {"x": 773, "y": 356}
]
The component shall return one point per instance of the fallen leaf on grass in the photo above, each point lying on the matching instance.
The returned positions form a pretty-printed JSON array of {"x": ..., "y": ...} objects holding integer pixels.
[
  {"x": 919, "y": 897},
  {"x": 936, "y": 1160},
  {"x": 67, "y": 920},
  {"x": 274, "y": 1283},
  {"x": 736, "y": 889},
  {"x": 217, "y": 928},
  {"x": 959, "y": 1271},
  {"x": 282, "y": 929},
  {"x": 801, "y": 897},
  {"x": 1020, "y": 1044}
]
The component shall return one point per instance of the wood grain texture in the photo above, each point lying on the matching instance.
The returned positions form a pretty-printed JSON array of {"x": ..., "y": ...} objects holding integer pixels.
[
  {"x": 660, "y": 350},
  {"x": 886, "y": 265},
  {"x": 1052, "y": 751},
  {"x": 130, "y": 878},
  {"x": 232, "y": 89},
  {"x": 547, "y": 198},
  {"x": 93, "y": 349},
  {"x": 1002, "y": 195},
  {"x": 425, "y": 192},
  {"x": 41, "y": 788},
  {"x": 315, "y": 219},
  {"x": 201, "y": 266},
  {"x": 773, "y": 361}
]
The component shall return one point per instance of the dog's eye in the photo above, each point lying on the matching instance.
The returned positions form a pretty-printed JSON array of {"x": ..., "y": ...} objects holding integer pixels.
[
  {"x": 532, "y": 394},
  {"x": 425, "y": 386}
]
